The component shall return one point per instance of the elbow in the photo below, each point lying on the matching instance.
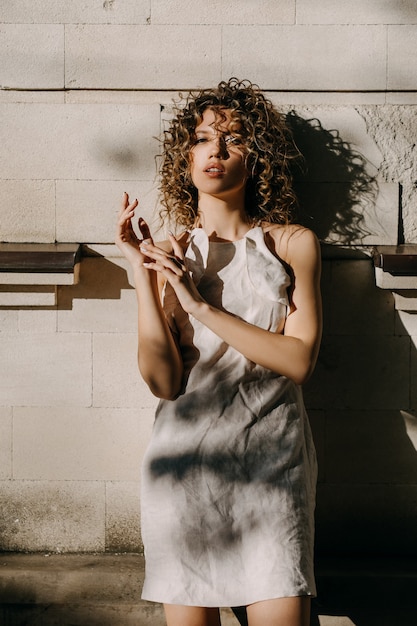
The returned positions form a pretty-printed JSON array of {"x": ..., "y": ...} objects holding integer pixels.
[
  {"x": 164, "y": 387},
  {"x": 297, "y": 379},
  {"x": 303, "y": 365},
  {"x": 300, "y": 379},
  {"x": 164, "y": 393},
  {"x": 301, "y": 374},
  {"x": 164, "y": 381}
]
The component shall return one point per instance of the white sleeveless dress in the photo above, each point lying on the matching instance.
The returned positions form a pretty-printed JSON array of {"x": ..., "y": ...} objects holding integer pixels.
[{"x": 228, "y": 481}]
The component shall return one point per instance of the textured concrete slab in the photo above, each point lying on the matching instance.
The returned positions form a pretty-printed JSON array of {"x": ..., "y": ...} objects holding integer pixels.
[
  {"x": 32, "y": 56},
  {"x": 104, "y": 590},
  {"x": 220, "y": 12},
  {"x": 126, "y": 57},
  {"x": 305, "y": 57},
  {"x": 63, "y": 516},
  {"x": 77, "y": 11},
  {"x": 356, "y": 12},
  {"x": 64, "y": 378}
]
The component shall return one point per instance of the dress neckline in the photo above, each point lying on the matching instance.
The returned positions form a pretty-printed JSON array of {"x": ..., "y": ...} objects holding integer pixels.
[{"x": 201, "y": 230}]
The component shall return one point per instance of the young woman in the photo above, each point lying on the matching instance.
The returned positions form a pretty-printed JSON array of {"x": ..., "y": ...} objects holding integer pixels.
[{"x": 229, "y": 328}]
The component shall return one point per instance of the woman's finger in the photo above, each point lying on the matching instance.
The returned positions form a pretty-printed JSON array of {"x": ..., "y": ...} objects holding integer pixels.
[
  {"x": 177, "y": 262},
  {"x": 178, "y": 251},
  {"x": 125, "y": 206},
  {"x": 145, "y": 230},
  {"x": 162, "y": 259}
]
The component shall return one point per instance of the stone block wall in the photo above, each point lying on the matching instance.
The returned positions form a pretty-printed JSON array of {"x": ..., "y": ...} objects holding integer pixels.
[{"x": 85, "y": 87}]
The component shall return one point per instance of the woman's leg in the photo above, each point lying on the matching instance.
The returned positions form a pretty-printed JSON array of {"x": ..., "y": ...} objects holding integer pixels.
[
  {"x": 280, "y": 612},
  {"x": 177, "y": 615}
]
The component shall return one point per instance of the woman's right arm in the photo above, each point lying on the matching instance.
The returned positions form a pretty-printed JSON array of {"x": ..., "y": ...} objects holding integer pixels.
[{"x": 159, "y": 358}]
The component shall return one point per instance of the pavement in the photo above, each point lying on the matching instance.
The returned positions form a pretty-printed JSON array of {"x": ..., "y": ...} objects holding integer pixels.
[{"x": 104, "y": 590}]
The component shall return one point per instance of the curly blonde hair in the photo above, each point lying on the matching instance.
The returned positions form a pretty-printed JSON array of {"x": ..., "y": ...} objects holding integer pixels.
[{"x": 268, "y": 147}]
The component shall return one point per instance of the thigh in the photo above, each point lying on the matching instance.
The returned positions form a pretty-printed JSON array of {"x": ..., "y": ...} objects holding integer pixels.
[
  {"x": 280, "y": 612},
  {"x": 177, "y": 615}
]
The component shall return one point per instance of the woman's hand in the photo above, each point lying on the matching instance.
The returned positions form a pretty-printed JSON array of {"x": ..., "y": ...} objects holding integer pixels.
[
  {"x": 126, "y": 239},
  {"x": 159, "y": 358},
  {"x": 172, "y": 266}
]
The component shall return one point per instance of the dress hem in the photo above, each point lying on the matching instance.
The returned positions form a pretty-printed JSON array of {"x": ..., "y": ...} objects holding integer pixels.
[{"x": 221, "y": 605}]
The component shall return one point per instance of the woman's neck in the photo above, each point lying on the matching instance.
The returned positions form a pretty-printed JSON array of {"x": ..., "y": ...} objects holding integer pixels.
[{"x": 223, "y": 220}]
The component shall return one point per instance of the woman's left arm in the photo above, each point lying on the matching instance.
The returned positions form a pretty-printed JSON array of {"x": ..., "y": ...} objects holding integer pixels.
[{"x": 292, "y": 353}]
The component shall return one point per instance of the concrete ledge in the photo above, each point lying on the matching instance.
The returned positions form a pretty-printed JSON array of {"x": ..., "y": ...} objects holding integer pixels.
[
  {"x": 104, "y": 590},
  {"x": 396, "y": 270},
  {"x": 397, "y": 260},
  {"x": 31, "y": 272},
  {"x": 32, "y": 258}
]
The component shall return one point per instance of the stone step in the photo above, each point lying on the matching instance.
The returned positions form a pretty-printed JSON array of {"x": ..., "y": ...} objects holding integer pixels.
[
  {"x": 104, "y": 590},
  {"x": 77, "y": 590}
]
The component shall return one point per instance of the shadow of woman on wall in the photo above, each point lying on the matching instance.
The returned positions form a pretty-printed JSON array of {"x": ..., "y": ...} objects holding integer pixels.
[
  {"x": 334, "y": 183},
  {"x": 336, "y": 189},
  {"x": 367, "y": 463}
]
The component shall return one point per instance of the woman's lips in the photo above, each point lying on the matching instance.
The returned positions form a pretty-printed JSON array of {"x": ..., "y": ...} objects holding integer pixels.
[{"x": 214, "y": 172}]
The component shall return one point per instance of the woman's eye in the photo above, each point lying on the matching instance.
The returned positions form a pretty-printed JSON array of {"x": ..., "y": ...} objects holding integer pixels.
[
  {"x": 200, "y": 140},
  {"x": 231, "y": 139}
]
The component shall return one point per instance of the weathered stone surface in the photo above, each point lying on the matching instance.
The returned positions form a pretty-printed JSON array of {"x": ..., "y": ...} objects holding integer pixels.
[
  {"x": 407, "y": 323},
  {"x": 86, "y": 210},
  {"x": 31, "y": 56},
  {"x": 45, "y": 369},
  {"x": 105, "y": 590},
  {"x": 123, "y": 517},
  {"x": 361, "y": 372},
  {"x": 356, "y": 306},
  {"x": 394, "y": 130},
  {"x": 103, "y": 300},
  {"x": 8, "y": 321},
  {"x": 72, "y": 142},
  {"x": 5, "y": 443},
  {"x": 37, "y": 320},
  {"x": 116, "y": 380},
  {"x": 410, "y": 423},
  {"x": 100, "y": 57},
  {"x": 402, "y": 57},
  {"x": 42, "y": 453},
  {"x": 371, "y": 518},
  {"x": 30, "y": 210},
  {"x": 356, "y": 12},
  {"x": 378, "y": 442},
  {"x": 306, "y": 57},
  {"x": 24, "y": 296},
  {"x": 60, "y": 516},
  {"x": 219, "y": 12},
  {"x": 77, "y": 12}
]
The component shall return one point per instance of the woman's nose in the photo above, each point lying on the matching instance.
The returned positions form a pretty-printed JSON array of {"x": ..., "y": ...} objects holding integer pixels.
[{"x": 218, "y": 148}]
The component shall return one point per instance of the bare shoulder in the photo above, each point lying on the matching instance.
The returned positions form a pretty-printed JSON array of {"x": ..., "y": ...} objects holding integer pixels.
[{"x": 293, "y": 243}]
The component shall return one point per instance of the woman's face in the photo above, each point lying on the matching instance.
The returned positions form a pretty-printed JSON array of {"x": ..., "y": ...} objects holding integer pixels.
[{"x": 217, "y": 158}]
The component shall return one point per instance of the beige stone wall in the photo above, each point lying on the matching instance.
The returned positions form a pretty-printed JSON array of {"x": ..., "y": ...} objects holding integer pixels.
[{"x": 85, "y": 87}]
